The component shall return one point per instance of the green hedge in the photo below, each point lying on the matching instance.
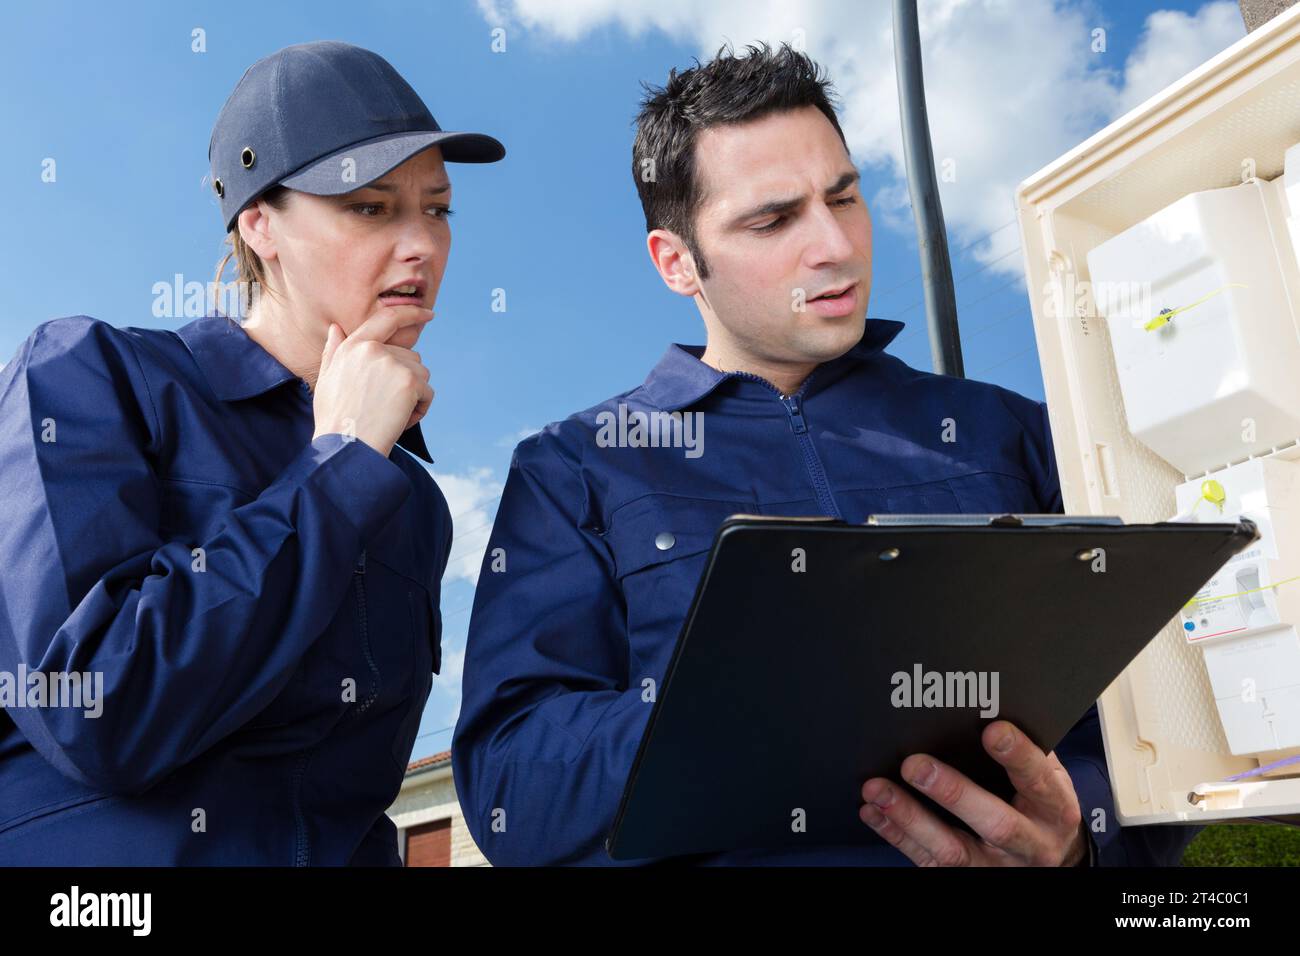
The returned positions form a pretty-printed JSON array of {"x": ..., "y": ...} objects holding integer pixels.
[{"x": 1249, "y": 844}]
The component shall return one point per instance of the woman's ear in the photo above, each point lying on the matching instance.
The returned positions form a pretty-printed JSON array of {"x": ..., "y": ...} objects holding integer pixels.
[{"x": 254, "y": 226}]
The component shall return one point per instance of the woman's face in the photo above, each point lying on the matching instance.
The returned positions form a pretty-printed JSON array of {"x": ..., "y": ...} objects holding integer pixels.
[{"x": 338, "y": 258}]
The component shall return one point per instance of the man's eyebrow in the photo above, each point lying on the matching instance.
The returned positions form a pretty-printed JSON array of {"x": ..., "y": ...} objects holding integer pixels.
[
  {"x": 385, "y": 188},
  {"x": 778, "y": 207},
  {"x": 843, "y": 183}
]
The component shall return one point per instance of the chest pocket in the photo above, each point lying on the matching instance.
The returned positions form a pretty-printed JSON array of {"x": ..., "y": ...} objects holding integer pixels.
[
  {"x": 991, "y": 492},
  {"x": 985, "y": 492},
  {"x": 928, "y": 499},
  {"x": 660, "y": 545}
]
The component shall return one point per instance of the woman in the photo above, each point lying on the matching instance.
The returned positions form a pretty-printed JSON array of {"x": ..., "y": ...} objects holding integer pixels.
[{"x": 219, "y": 610}]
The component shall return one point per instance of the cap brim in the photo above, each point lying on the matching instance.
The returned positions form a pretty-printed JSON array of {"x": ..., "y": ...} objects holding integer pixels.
[{"x": 332, "y": 176}]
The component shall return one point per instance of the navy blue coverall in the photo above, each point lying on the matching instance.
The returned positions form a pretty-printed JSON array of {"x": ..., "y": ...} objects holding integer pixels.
[
  {"x": 261, "y": 608},
  {"x": 598, "y": 545}
]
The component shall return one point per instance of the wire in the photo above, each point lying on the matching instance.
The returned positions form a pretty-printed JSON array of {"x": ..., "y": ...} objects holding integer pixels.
[
  {"x": 989, "y": 368},
  {"x": 987, "y": 235},
  {"x": 466, "y": 534},
  {"x": 1265, "y": 767},
  {"x": 460, "y": 610},
  {"x": 984, "y": 328},
  {"x": 1220, "y": 597},
  {"x": 1016, "y": 278},
  {"x": 478, "y": 507},
  {"x": 920, "y": 328},
  {"x": 430, "y": 733}
]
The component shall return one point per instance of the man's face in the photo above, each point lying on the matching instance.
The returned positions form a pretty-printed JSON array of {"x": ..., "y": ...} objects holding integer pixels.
[
  {"x": 337, "y": 254},
  {"x": 782, "y": 222}
]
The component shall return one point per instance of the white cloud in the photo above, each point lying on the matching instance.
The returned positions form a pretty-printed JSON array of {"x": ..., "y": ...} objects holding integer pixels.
[
  {"x": 1176, "y": 43},
  {"x": 448, "y": 684},
  {"x": 571, "y": 19},
  {"x": 510, "y": 441},
  {"x": 1010, "y": 86},
  {"x": 472, "y": 497},
  {"x": 442, "y": 708}
]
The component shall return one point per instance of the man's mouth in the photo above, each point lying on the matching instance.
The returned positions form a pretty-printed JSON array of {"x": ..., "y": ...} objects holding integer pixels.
[
  {"x": 834, "y": 294},
  {"x": 835, "y": 303}
]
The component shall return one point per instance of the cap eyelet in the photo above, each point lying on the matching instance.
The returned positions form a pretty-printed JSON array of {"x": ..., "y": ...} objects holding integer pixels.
[
  {"x": 248, "y": 157},
  {"x": 220, "y": 189}
]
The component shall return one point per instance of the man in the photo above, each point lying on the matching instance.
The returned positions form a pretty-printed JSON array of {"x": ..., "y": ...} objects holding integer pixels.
[{"x": 753, "y": 210}]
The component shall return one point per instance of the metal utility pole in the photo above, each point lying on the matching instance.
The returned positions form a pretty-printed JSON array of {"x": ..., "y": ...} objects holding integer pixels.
[{"x": 936, "y": 267}]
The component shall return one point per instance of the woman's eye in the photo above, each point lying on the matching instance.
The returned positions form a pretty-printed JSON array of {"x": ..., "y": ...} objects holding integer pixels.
[{"x": 372, "y": 209}]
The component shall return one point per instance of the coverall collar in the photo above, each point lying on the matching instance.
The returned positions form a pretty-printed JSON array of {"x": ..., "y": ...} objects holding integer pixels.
[
  {"x": 681, "y": 379},
  {"x": 237, "y": 367}
]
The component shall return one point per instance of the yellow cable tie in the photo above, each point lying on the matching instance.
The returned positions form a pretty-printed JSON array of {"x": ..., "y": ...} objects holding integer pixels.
[
  {"x": 1220, "y": 597},
  {"x": 1213, "y": 492},
  {"x": 1165, "y": 315}
]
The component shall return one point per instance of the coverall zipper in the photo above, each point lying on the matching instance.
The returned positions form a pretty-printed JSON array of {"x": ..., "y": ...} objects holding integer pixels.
[
  {"x": 799, "y": 425},
  {"x": 303, "y": 854}
]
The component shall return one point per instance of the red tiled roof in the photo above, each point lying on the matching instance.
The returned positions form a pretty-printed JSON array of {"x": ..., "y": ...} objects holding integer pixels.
[{"x": 424, "y": 763}]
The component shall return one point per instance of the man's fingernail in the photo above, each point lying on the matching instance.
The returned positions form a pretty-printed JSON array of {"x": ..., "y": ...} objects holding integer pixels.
[
  {"x": 1004, "y": 742},
  {"x": 925, "y": 776},
  {"x": 884, "y": 798}
]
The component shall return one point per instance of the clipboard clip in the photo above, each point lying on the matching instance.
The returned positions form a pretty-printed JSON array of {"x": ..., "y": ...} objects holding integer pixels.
[{"x": 995, "y": 520}]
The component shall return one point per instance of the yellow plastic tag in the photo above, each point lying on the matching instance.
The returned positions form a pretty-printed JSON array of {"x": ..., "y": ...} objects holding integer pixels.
[{"x": 1165, "y": 315}]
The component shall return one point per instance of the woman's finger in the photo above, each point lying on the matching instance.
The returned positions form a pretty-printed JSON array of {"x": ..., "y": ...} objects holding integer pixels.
[
  {"x": 421, "y": 406},
  {"x": 332, "y": 340}
]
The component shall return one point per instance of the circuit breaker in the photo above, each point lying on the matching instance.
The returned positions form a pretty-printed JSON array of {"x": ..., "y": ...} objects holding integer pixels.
[{"x": 1244, "y": 618}]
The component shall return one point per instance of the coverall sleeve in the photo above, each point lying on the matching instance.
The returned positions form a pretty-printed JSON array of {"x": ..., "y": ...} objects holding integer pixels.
[
  {"x": 190, "y": 647},
  {"x": 1083, "y": 755},
  {"x": 548, "y": 727}
]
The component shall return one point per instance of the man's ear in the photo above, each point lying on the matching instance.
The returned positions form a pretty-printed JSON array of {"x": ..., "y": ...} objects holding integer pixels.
[
  {"x": 674, "y": 262},
  {"x": 255, "y": 229}
]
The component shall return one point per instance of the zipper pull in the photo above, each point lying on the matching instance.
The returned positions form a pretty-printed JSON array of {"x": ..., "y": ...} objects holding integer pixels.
[
  {"x": 796, "y": 416},
  {"x": 361, "y": 564}
]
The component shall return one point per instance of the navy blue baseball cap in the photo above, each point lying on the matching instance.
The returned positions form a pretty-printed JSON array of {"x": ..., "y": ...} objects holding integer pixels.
[{"x": 324, "y": 118}]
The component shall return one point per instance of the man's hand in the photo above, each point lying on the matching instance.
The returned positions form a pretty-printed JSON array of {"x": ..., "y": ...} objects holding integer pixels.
[{"x": 1043, "y": 825}]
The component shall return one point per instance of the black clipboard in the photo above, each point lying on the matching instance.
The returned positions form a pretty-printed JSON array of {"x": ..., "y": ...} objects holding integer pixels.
[{"x": 781, "y": 694}]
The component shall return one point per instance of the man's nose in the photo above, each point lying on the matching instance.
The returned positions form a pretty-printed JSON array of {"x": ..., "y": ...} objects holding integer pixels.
[{"x": 829, "y": 244}]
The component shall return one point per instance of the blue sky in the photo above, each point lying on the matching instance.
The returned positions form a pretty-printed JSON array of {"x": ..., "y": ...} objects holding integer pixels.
[{"x": 119, "y": 100}]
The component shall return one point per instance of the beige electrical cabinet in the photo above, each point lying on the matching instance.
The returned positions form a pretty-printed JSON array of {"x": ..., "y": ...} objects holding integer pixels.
[{"x": 1228, "y": 124}]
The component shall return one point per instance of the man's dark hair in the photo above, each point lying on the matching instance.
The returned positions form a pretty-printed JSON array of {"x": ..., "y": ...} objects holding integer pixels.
[{"x": 727, "y": 89}]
